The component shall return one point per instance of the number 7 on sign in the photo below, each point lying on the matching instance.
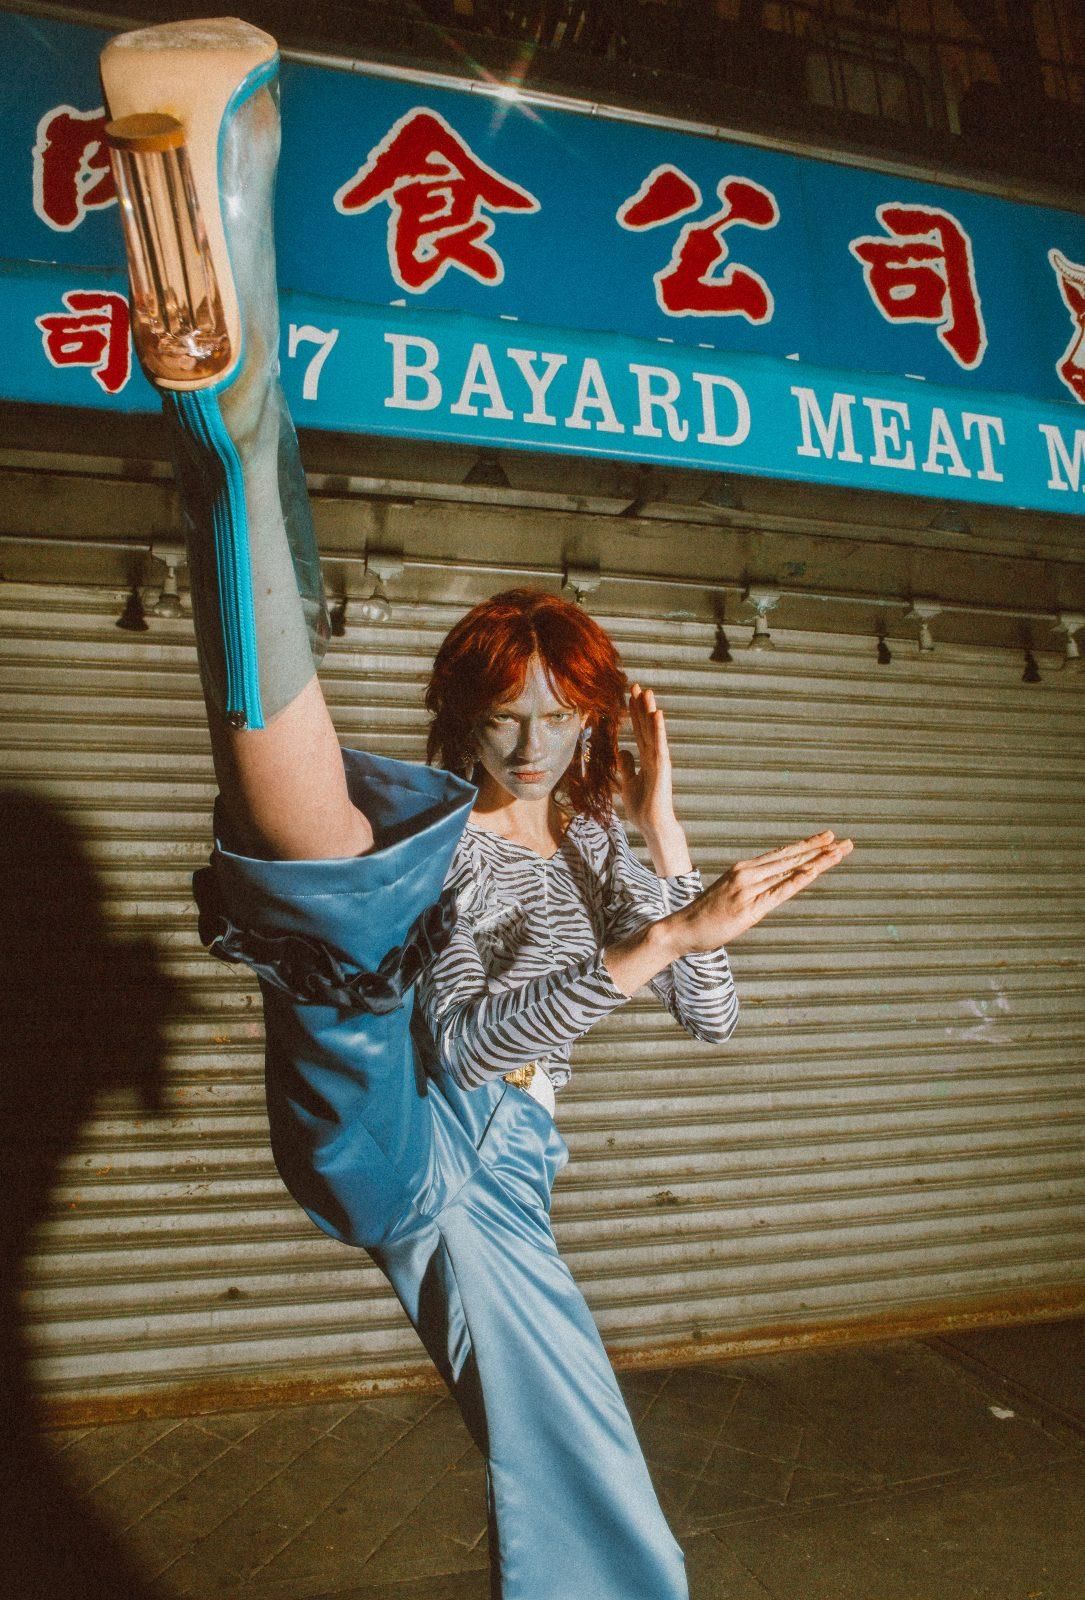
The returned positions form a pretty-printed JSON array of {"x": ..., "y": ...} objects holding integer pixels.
[{"x": 324, "y": 342}]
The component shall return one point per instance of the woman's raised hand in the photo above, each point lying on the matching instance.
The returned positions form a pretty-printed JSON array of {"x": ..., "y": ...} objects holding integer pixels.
[
  {"x": 647, "y": 795},
  {"x": 749, "y": 890},
  {"x": 647, "y": 785}
]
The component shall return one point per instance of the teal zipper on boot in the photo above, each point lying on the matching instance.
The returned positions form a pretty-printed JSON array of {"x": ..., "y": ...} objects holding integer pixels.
[
  {"x": 199, "y": 412},
  {"x": 200, "y": 415}
]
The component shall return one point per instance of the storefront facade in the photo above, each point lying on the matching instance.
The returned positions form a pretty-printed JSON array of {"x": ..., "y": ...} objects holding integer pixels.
[{"x": 804, "y": 434}]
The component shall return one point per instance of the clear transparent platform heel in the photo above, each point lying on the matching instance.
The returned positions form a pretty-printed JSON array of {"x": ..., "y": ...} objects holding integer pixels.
[
  {"x": 194, "y": 139},
  {"x": 177, "y": 318}
]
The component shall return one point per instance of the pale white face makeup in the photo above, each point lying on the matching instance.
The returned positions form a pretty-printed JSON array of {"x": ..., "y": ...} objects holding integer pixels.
[{"x": 527, "y": 744}]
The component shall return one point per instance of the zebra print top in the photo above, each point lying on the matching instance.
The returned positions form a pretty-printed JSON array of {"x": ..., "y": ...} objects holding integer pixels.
[{"x": 523, "y": 976}]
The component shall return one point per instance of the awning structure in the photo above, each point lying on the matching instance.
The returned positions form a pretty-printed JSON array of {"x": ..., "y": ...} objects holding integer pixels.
[{"x": 463, "y": 264}]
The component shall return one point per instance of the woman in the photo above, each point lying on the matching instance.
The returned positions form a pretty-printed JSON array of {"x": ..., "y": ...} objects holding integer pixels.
[
  {"x": 328, "y": 870},
  {"x": 527, "y": 696},
  {"x": 446, "y": 1177}
]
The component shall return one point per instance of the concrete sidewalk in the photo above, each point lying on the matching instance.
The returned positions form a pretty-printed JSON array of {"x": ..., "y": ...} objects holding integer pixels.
[{"x": 945, "y": 1469}]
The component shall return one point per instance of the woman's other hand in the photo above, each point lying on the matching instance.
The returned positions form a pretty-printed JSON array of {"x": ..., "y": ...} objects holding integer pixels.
[
  {"x": 737, "y": 900},
  {"x": 749, "y": 890},
  {"x": 647, "y": 786}
]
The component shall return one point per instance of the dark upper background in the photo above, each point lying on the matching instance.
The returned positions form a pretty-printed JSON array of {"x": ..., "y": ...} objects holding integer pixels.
[{"x": 994, "y": 88}]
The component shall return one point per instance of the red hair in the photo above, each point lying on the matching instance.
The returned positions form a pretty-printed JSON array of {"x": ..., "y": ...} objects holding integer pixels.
[{"x": 484, "y": 661}]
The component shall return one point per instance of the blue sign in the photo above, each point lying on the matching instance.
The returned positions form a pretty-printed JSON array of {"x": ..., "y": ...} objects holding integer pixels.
[{"x": 464, "y": 266}]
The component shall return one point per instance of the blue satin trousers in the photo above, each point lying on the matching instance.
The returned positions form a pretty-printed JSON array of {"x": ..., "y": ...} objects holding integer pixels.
[{"x": 449, "y": 1191}]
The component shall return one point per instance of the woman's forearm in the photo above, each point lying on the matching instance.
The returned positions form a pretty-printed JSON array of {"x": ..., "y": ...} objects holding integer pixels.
[
  {"x": 486, "y": 1035},
  {"x": 635, "y": 961},
  {"x": 668, "y": 848},
  {"x": 737, "y": 901}
]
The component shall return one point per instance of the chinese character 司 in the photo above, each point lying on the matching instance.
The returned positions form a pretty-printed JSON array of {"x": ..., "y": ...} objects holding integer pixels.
[
  {"x": 72, "y": 174},
  {"x": 1071, "y": 280},
  {"x": 436, "y": 190},
  {"x": 93, "y": 332},
  {"x": 924, "y": 272},
  {"x": 688, "y": 286}
]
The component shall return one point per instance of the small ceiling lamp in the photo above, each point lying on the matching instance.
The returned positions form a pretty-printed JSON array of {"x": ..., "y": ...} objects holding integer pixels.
[
  {"x": 132, "y": 618},
  {"x": 1071, "y": 623},
  {"x": 761, "y": 638},
  {"x": 949, "y": 519},
  {"x": 168, "y": 603},
  {"x": 923, "y": 613},
  {"x": 386, "y": 566},
  {"x": 487, "y": 473},
  {"x": 646, "y": 488},
  {"x": 1031, "y": 673},
  {"x": 581, "y": 580},
  {"x": 376, "y": 607},
  {"x": 762, "y": 600},
  {"x": 719, "y": 494}
]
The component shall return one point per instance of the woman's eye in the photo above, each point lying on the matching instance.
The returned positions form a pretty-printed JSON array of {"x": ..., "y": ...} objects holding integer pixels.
[{"x": 559, "y": 716}]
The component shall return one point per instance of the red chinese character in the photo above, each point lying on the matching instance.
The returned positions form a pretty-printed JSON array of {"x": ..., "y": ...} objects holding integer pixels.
[
  {"x": 72, "y": 174},
  {"x": 925, "y": 273},
  {"x": 689, "y": 285},
  {"x": 94, "y": 332},
  {"x": 1071, "y": 281},
  {"x": 436, "y": 190}
]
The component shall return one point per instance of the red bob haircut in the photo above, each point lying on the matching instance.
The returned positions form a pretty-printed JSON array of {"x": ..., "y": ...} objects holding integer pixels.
[{"x": 484, "y": 661}]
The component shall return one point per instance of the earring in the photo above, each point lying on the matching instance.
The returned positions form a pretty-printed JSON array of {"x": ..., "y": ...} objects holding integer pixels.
[{"x": 585, "y": 751}]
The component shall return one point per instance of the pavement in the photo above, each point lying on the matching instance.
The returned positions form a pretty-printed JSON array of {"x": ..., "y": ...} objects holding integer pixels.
[{"x": 951, "y": 1468}]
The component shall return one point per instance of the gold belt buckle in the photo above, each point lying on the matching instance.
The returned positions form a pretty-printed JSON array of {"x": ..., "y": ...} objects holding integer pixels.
[{"x": 522, "y": 1077}]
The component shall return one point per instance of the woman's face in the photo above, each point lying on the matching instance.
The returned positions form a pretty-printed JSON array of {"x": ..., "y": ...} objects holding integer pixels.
[{"x": 526, "y": 744}]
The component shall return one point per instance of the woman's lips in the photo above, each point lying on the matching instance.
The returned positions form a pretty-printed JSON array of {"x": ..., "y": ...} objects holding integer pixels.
[{"x": 528, "y": 776}]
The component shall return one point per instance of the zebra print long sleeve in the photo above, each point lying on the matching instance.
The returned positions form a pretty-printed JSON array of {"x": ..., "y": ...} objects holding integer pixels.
[
  {"x": 522, "y": 977},
  {"x": 698, "y": 990}
]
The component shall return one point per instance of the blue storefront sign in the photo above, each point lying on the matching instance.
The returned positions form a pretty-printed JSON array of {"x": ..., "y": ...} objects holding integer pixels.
[{"x": 466, "y": 266}]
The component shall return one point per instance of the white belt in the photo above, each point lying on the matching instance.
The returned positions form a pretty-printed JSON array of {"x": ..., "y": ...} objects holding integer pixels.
[{"x": 535, "y": 1082}]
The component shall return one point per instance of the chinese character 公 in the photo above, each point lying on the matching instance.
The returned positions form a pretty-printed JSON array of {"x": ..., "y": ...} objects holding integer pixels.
[
  {"x": 689, "y": 286},
  {"x": 924, "y": 272},
  {"x": 93, "y": 332},
  {"x": 72, "y": 174},
  {"x": 436, "y": 190}
]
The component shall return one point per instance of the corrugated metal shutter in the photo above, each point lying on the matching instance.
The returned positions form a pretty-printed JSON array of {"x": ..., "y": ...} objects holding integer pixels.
[{"x": 897, "y": 1125}]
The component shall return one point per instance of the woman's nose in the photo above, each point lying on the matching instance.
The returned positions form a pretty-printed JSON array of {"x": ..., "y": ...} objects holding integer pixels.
[{"x": 530, "y": 741}]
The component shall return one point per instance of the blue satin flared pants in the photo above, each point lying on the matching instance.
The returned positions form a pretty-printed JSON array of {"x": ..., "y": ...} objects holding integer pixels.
[{"x": 449, "y": 1191}]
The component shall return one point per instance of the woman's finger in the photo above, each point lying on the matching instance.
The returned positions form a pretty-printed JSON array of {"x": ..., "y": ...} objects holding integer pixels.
[
  {"x": 826, "y": 836},
  {"x": 650, "y": 744},
  {"x": 801, "y": 877},
  {"x": 763, "y": 872},
  {"x": 661, "y": 750},
  {"x": 661, "y": 747},
  {"x": 636, "y": 717},
  {"x": 787, "y": 851}
]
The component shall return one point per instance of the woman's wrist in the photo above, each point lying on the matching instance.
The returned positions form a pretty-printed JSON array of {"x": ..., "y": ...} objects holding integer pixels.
[
  {"x": 667, "y": 846},
  {"x": 667, "y": 939},
  {"x": 636, "y": 961}
]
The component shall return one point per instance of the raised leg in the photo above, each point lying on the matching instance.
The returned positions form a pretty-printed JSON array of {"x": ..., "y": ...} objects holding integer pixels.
[{"x": 195, "y": 142}]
